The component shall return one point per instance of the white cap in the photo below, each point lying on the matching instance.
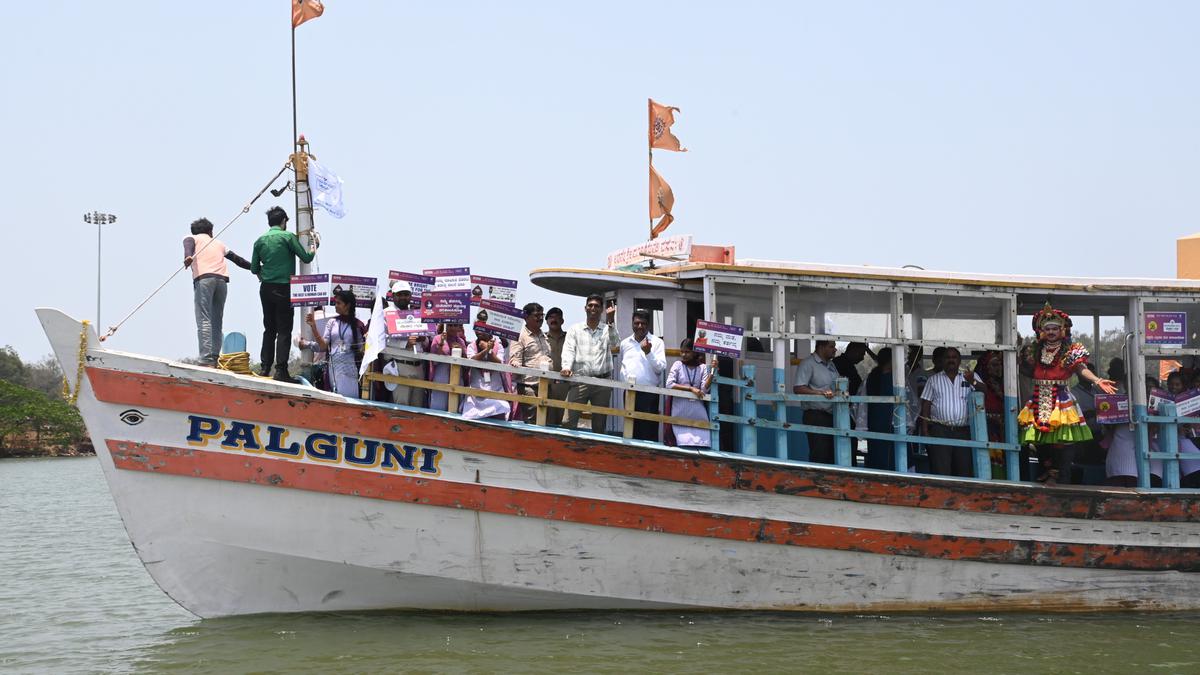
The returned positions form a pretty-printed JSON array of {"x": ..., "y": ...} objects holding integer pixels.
[{"x": 401, "y": 286}]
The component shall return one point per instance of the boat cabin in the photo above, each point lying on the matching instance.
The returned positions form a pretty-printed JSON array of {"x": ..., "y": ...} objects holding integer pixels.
[{"x": 784, "y": 307}]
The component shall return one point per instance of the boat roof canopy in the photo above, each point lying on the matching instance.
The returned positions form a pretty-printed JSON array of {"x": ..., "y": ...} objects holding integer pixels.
[{"x": 1103, "y": 294}]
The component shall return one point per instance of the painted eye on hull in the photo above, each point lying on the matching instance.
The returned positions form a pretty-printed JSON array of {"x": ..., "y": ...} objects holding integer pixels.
[{"x": 133, "y": 417}]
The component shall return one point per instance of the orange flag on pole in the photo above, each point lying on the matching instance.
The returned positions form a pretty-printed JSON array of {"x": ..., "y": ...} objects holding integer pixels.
[
  {"x": 303, "y": 10},
  {"x": 662, "y": 200},
  {"x": 661, "y": 119}
]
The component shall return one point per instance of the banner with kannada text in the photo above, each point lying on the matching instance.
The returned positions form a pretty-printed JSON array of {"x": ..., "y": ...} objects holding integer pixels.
[{"x": 363, "y": 288}]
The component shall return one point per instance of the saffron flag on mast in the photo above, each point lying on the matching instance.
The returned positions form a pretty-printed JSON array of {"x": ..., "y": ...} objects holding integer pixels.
[
  {"x": 303, "y": 10},
  {"x": 662, "y": 200},
  {"x": 661, "y": 119}
]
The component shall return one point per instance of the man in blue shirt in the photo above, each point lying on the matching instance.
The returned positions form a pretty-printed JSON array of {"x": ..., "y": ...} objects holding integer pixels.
[{"x": 815, "y": 376}]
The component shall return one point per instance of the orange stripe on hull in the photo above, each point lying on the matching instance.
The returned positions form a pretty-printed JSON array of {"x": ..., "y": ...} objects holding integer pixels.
[
  {"x": 612, "y": 457},
  {"x": 608, "y": 513}
]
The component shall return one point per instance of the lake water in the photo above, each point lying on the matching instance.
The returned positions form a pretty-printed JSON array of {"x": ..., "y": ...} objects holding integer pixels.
[{"x": 74, "y": 598}]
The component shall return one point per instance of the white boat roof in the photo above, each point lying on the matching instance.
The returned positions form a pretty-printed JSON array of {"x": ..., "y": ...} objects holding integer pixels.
[{"x": 580, "y": 281}]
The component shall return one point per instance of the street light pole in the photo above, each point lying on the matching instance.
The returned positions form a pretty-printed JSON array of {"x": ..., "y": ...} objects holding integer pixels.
[{"x": 99, "y": 219}]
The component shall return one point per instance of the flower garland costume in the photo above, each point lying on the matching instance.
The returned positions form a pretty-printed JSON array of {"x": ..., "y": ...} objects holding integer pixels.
[{"x": 1052, "y": 415}]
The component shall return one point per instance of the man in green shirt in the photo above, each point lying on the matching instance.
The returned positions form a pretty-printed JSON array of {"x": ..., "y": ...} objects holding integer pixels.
[{"x": 274, "y": 262}]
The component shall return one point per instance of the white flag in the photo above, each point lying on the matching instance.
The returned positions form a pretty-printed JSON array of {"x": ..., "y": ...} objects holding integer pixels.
[
  {"x": 326, "y": 189},
  {"x": 376, "y": 336}
]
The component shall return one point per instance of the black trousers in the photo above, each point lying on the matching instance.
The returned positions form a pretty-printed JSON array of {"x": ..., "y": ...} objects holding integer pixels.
[
  {"x": 950, "y": 460},
  {"x": 820, "y": 446},
  {"x": 645, "y": 430},
  {"x": 278, "y": 317}
]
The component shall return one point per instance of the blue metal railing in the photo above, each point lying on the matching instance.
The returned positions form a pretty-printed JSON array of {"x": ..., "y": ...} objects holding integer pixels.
[{"x": 749, "y": 422}]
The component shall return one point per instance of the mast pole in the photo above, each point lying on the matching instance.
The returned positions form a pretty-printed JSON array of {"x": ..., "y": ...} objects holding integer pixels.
[
  {"x": 650, "y": 163},
  {"x": 304, "y": 212}
]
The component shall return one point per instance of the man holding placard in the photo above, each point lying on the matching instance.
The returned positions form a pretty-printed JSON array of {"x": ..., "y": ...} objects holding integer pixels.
[{"x": 408, "y": 339}]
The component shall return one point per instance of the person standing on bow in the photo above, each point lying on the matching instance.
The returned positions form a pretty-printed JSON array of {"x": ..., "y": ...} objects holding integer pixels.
[
  {"x": 274, "y": 262},
  {"x": 343, "y": 341},
  {"x": 587, "y": 351},
  {"x": 1051, "y": 420},
  {"x": 206, "y": 256},
  {"x": 643, "y": 361}
]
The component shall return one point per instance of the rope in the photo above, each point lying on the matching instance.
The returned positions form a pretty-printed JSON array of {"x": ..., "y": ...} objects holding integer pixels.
[
  {"x": 73, "y": 396},
  {"x": 244, "y": 211},
  {"x": 237, "y": 362}
]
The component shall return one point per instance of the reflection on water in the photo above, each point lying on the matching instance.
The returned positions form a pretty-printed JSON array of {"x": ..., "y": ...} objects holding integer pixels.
[{"x": 75, "y": 599}]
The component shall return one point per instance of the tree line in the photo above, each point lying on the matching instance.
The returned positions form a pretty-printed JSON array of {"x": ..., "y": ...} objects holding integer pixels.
[{"x": 34, "y": 418}]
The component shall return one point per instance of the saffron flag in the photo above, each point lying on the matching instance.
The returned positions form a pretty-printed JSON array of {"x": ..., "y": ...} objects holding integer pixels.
[
  {"x": 303, "y": 10},
  {"x": 662, "y": 200},
  {"x": 661, "y": 119}
]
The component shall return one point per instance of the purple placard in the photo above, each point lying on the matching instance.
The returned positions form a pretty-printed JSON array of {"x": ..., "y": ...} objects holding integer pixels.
[
  {"x": 450, "y": 278},
  {"x": 404, "y": 323},
  {"x": 502, "y": 319},
  {"x": 1112, "y": 409},
  {"x": 420, "y": 283},
  {"x": 363, "y": 288},
  {"x": 718, "y": 338},
  {"x": 1156, "y": 397},
  {"x": 494, "y": 289},
  {"x": 1187, "y": 403},
  {"x": 446, "y": 307},
  {"x": 1166, "y": 328},
  {"x": 309, "y": 290}
]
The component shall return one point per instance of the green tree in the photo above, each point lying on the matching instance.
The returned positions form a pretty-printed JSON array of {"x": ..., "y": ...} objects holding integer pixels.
[
  {"x": 12, "y": 368},
  {"x": 30, "y": 420}
]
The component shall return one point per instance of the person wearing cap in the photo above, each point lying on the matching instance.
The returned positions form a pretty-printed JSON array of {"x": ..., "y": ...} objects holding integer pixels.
[
  {"x": 274, "y": 263},
  {"x": 401, "y": 298},
  {"x": 206, "y": 256}
]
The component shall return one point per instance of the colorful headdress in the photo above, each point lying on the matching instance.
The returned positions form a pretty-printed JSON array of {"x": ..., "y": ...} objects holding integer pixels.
[{"x": 1049, "y": 315}]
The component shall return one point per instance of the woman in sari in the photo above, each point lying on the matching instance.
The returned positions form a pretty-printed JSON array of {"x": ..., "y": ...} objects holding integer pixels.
[{"x": 691, "y": 374}]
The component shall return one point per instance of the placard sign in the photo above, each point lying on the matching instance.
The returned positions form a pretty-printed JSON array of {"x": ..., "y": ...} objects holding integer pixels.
[
  {"x": 1166, "y": 328},
  {"x": 310, "y": 290},
  {"x": 363, "y": 288},
  {"x": 1112, "y": 409},
  {"x": 419, "y": 282},
  {"x": 446, "y": 307},
  {"x": 503, "y": 291},
  {"x": 1187, "y": 403},
  {"x": 501, "y": 319},
  {"x": 406, "y": 322},
  {"x": 450, "y": 278},
  {"x": 1156, "y": 398},
  {"x": 721, "y": 339}
]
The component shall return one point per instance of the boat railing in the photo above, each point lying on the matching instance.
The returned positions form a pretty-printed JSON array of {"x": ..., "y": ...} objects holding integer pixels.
[
  {"x": 747, "y": 400},
  {"x": 541, "y": 400},
  {"x": 1168, "y": 423}
]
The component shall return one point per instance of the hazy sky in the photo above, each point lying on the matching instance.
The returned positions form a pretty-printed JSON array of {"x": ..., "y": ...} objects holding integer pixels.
[{"x": 1024, "y": 137}]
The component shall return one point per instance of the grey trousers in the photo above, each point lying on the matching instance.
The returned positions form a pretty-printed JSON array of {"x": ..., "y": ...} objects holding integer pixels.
[
  {"x": 593, "y": 395},
  {"x": 209, "y": 297}
]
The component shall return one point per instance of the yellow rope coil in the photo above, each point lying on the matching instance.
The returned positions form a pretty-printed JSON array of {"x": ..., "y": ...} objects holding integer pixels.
[
  {"x": 73, "y": 396},
  {"x": 237, "y": 362}
]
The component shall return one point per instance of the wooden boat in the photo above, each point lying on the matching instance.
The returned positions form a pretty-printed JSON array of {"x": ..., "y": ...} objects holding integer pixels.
[{"x": 245, "y": 495}]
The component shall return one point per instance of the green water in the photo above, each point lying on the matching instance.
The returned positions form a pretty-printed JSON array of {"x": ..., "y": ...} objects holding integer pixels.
[{"x": 74, "y": 598}]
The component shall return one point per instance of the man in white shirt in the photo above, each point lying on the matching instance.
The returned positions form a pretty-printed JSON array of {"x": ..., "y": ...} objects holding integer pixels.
[
  {"x": 814, "y": 377},
  {"x": 587, "y": 351},
  {"x": 946, "y": 409},
  {"x": 643, "y": 361}
]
